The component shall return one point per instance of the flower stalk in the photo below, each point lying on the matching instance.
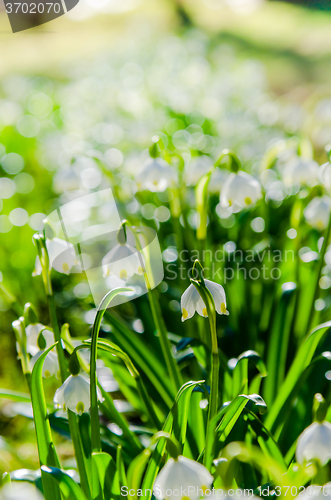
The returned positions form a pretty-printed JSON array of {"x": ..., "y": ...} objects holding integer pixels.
[
  {"x": 72, "y": 420},
  {"x": 215, "y": 362}
]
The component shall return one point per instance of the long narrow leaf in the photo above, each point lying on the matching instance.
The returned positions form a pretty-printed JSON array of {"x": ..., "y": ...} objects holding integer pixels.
[{"x": 46, "y": 449}]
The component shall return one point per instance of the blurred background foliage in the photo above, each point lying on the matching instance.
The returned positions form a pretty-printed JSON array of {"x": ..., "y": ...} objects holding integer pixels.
[{"x": 286, "y": 47}]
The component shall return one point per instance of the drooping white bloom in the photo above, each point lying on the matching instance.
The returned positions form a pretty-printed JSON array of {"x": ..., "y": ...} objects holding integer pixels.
[
  {"x": 301, "y": 170},
  {"x": 157, "y": 175},
  {"x": 218, "y": 179},
  {"x": 105, "y": 375},
  {"x": 314, "y": 443},
  {"x": 50, "y": 366},
  {"x": 74, "y": 394},
  {"x": 324, "y": 175},
  {"x": 182, "y": 474},
  {"x": 32, "y": 335},
  {"x": 122, "y": 261},
  {"x": 62, "y": 256},
  {"x": 191, "y": 300},
  {"x": 196, "y": 168},
  {"x": 317, "y": 212},
  {"x": 240, "y": 191},
  {"x": 20, "y": 490}
]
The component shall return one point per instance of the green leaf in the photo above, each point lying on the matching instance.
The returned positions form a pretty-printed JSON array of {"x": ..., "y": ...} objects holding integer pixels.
[
  {"x": 178, "y": 411},
  {"x": 300, "y": 363},
  {"x": 278, "y": 346},
  {"x": 113, "y": 349},
  {"x": 137, "y": 469},
  {"x": 95, "y": 425},
  {"x": 223, "y": 423},
  {"x": 105, "y": 481},
  {"x": 69, "y": 489},
  {"x": 15, "y": 396},
  {"x": 144, "y": 358},
  {"x": 120, "y": 467},
  {"x": 46, "y": 449},
  {"x": 240, "y": 372}
]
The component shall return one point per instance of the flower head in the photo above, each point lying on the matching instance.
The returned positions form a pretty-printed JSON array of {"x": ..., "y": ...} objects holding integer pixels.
[
  {"x": 240, "y": 191},
  {"x": 74, "y": 394},
  {"x": 302, "y": 170},
  {"x": 62, "y": 256},
  {"x": 324, "y": 175},
  {"x": 191, "y": 300},
  {"x": 317, "y": 212},
  {"x": 156, "y": 176},
  {"x": 50, "y": 366},
  {"x": 32, "y": 336},
  {"x": 315, "y": 443},
  {"x": 178, "y": 475},
  {"x": 122, "y": 261}
]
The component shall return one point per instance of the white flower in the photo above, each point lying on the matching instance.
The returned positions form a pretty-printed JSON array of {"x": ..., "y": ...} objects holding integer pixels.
[
  {"x": 74, "y": 394},
  {"x": 218, "y": 179},
  {"x": 32, "y": 335},
  {"x": 324, "y": 175},
  {"x": 191, "y": 300},
  {"x": 62, "y": 256},
  {"x": 302, "y": 170},
  {"x": 196, "y": 168},
  {"x": 50, "y": 366},
  {"x": 122, "y": 261},
  {"x": 240, "y": 191},
  {"x": 182, "y": 474},
  {"x": 19, "y": 490},
  {"x": 314, "y": 443},
  {"x": 317, "y": 212},
  {"x": 156, "y": 176}
]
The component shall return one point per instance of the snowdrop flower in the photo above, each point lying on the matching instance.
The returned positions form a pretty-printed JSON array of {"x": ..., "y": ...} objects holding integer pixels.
[
  {"x": 19, "y": 490},
  {"x": 50, "y": 366},
  {"x": 32, "y": 335},
  {"x": 156, "y": 176},
  {"x": 191, "y": 300},
  {"x": 182, "y": 474},
  {"x": 317, "y": 212},
  {"x": 324, "y": 175},
  {"x": 74, "y": 394},
  {"x": 314, "y": 443},
  {"x": 196, "y": 168},
  {"x": 62, "y": 256},
  {"x": 123, "y": 260},
  {"x": 302, "y": 170},
  {"x": 218, "y": 179},
  {"x": 240, "y": 191}
]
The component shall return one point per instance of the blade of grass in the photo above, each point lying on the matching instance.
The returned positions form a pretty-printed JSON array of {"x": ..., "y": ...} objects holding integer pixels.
[{"x": 46, "y": 449}]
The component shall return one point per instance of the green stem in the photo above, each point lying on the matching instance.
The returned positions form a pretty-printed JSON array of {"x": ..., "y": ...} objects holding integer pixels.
[
  {"x": 148, "y": 403},
  {"x": 214, "y": 377},
  {"x": 95, "y": 424},
  {"x": 318, "y": 275}
]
